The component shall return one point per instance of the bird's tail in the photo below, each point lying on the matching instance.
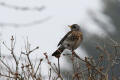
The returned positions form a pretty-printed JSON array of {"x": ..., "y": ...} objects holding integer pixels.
[{"x": 58, "y": 52}]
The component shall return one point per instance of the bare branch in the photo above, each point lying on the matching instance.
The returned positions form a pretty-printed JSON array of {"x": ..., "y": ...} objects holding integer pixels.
[
  {"x": 25, "y": 24},
  {"x": 6, "y": 66},
  {"x": 23, "y": 8},
  {"x": 7, "y": 76}
]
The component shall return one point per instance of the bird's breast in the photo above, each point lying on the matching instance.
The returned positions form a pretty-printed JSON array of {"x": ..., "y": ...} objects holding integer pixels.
[{"x": 73, "y": 40}]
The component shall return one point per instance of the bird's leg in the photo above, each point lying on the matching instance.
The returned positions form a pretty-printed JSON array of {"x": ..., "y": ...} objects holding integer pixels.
[{"x": 73, "y": 53}]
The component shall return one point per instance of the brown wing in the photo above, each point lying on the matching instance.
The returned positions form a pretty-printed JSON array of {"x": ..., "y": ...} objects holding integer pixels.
[{"x": 64, "y": 38}]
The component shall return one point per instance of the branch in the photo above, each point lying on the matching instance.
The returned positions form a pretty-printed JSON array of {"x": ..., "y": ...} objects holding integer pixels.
[
  {"x": 7, "y": 76},
  {"x": 25, "y": 24},
  {"x": 24, "y": 8},
  {"x": 6, "y": 66}
]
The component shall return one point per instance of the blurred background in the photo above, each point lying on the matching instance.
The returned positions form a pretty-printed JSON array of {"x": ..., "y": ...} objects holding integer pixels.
[{"x": 44, "y": 23}]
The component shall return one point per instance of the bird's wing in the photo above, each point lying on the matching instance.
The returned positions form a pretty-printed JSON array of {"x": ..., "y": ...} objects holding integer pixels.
[{"x": 64, "y": 38}]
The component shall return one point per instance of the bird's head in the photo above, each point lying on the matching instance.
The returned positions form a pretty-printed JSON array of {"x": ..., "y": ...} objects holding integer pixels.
[{"x": 75, "y": 27}]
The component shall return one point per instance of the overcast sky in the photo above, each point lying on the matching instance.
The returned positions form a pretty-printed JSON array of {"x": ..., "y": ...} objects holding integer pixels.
[{"x": 56, "y": 15}]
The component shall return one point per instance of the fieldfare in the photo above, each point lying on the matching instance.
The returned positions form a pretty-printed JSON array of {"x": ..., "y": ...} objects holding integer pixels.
[{"x": 70, "y": 41}]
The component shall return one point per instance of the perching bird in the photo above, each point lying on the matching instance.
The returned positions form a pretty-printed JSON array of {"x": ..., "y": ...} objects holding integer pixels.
[{"x": 70, "y": 41}]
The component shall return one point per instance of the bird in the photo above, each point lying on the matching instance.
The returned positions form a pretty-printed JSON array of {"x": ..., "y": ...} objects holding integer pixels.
[{"x": 70, "y": 41}]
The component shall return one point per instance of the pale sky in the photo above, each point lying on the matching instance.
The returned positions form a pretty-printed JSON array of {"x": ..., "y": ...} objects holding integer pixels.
[{"x": 46, "y": 35}]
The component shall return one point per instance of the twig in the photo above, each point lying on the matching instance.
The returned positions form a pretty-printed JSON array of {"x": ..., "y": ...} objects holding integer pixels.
[
  {"x": 7, "y": 76},
  {"x": 108, "y": 57},
  {"x": 32, "y": 50},
  {"x": 59, "y": 76},
  {"x": 38, "y": 66},
  {"x": 55, "y": 66},
  {"x": 22, "y": 8},
  {"x": 90, "y": 65},
  {"x": 6, "y": 46},
  {"x": 35, "y": 22},
  {"x": 49, "y": 73},
  {"x": 14, "y": 57},
  {"x": 6, "y": 66},
  {"x": 58, "y": 66}
]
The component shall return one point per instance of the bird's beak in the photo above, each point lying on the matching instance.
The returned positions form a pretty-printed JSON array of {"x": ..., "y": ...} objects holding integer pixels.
[{"x": 69, "y": 26}]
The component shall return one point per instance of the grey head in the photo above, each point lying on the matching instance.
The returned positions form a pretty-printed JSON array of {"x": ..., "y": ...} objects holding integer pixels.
[{"x": 75, "y": 27}]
